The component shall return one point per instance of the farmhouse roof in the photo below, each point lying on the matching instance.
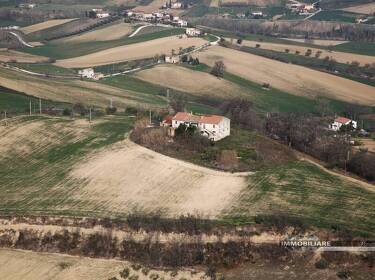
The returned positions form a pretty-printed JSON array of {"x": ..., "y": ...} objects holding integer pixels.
[
  {"x": 342, "y": 120},
  {"x": 168, "y": 119},
  {"x": 189, "y": 117}
]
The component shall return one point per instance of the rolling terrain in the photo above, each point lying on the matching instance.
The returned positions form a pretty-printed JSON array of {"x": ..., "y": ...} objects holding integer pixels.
[
  {"x": 290, "y": 78},
  {"x": 44, "y": 25},
  {"x": 131, "y": 52}
]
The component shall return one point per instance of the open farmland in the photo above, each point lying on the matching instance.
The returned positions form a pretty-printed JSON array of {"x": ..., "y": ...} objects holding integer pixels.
[
  {"x": 290, "y": 78},
  {"x": 101, "y": 181},
  {"x": 362, "y": 9},
  {"x": 44, "y": 25},
  {"x": 341, "y": 57},
  {"x": 261, "y": 3},
  {"x": 15, "y": 56},
  {"x": 317, "y": 42},
  {"x": 73, "y": 91},
  {"x": 15, "y": 264},
  {"x": 186, "y": 80},
  {"x": 131, "y": 52},
  {"x": 107, "y": 33}
]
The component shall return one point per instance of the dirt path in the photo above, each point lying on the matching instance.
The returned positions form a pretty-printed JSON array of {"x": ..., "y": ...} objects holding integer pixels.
[{"x": 44, "y": 25}]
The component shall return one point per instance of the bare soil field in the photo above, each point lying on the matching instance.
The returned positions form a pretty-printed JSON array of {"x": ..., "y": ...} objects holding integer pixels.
[
  {"x": 191, "y": 81},
  {"x": 19, "y": 265},
  {"x": 294, "y": 79},
  {"x": 73, "y": 91},
  {"x": 44, "y": 25},
  {"x": 11, "y": 55},
  {"x": 318, "y": 42},
  {"x": 338, "y": 56},
  {"x": 133, "y": 178},
  {"x": 131, "y": 52},
  {"x": 155, "y": 5},
  {"x": 112, "y": 32},
  {"x": 362, "y": 9}
]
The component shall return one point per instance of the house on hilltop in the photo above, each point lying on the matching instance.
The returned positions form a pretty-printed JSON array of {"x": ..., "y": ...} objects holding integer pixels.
[
  {"x": 214, "y": 127},
  {"x": 340, "y": 121}
]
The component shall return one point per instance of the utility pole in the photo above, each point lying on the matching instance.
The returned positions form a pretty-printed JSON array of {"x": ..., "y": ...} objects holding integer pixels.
[
  {"x": 30, "y": 108},
  {"x": 90, "y": 114},
  {"x": 150, "y": 116},
  {"x": 5, "y": 118},
  {"x": 40, "y": 106}
]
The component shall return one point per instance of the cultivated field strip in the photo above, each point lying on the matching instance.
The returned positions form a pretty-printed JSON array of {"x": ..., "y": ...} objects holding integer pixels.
[
  {"x": 18, "y": 264},
  {"x": 15, "y": 56},
  {"x": 186, "y": 80},
  {"x": 131, "y": 52},
  {"x": 74, "y": 91},
  {"x": 341, "y": 57},
  {"x": 44, "y": 25},
  {"x": 290, "y": 78}
]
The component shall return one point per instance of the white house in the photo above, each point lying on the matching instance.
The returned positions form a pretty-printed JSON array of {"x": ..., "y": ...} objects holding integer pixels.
[
  {"x": 89, "y": 73},
  {"x": 193, "y": 32},
  {"x": 176, "y": 5},
  {"x": 100, "y": 13},
  {"x": 172, "y": 59},
  {"x": 213, "y": 127},
  {"x": 257, "y": 14},
  {"x": 338, "y": 122}
]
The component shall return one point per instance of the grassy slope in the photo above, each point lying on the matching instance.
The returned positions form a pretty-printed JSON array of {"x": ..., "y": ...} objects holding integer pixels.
[
  {"x": 31, "y": 183},
  {"x": 303, "y": 190},
  {"x": 339, "y": 16},
  {"x": 273, "y": 99},
  {"x": 12, "y": 101},
  {"x": 45, "y": 68},
  {"x": 57, "y": 50},
  {"x": 357, "y": 47}
]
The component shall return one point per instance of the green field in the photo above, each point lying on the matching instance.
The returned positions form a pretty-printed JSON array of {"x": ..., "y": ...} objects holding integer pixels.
[
  {"x": 340, "y": 16},
  {"x": 30, "y": 185},
  {"x": 128, "y": 82},
  {"x": 302, "y": 190},
  {"x": 270, "y": 100},
  {"x": 16, "y": 102},
  {"x": 45, "y": 68},
  {"x": 357, "y": 47},
  {"x": 58, "y": 50}
]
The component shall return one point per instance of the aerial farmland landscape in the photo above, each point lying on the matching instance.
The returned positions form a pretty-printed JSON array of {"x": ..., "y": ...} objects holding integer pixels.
[{"x": 187, "y": 139}]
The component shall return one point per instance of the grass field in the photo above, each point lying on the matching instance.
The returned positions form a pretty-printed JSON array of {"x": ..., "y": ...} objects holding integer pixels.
[
  {"x": 289, "y": 78},
  {"x": 132, "y": 51},
  {"x": 77, "y": 177},
  {"x": 357, "y": 47},
  {"x": 73, "y": 91},
  {"x": 304, "y": 190},
  {"x": 336, "y": 15},
  {"x": 16, "y": 102},
  {"x": 62, "y": 51},
  {"x": 11, "y": 55},
  {"x": 45, "y": 68}
]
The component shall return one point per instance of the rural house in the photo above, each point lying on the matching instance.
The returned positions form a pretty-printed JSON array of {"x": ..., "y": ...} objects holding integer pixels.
[
  {"x": 340, "y": 121},
  {"x": 172, "y": 59},
  {"x": 193, "y": 32},
  {"x": 89, "y": 73},
  {"x": 213, "y": 127}
]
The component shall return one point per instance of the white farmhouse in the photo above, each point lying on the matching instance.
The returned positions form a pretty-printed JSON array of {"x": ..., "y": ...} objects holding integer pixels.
[
  {"x": 213, "y": 127},
  {"x": 193, "y": 32},
  {"x": 172, "y": 59},
  {"x": 176, "y": 5},
  {"x": 87, "y": 73},
  {"x": 340, "y": 121}
]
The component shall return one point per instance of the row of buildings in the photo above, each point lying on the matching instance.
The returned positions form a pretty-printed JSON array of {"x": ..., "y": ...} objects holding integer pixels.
[{"x": 156, "y": 17}]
